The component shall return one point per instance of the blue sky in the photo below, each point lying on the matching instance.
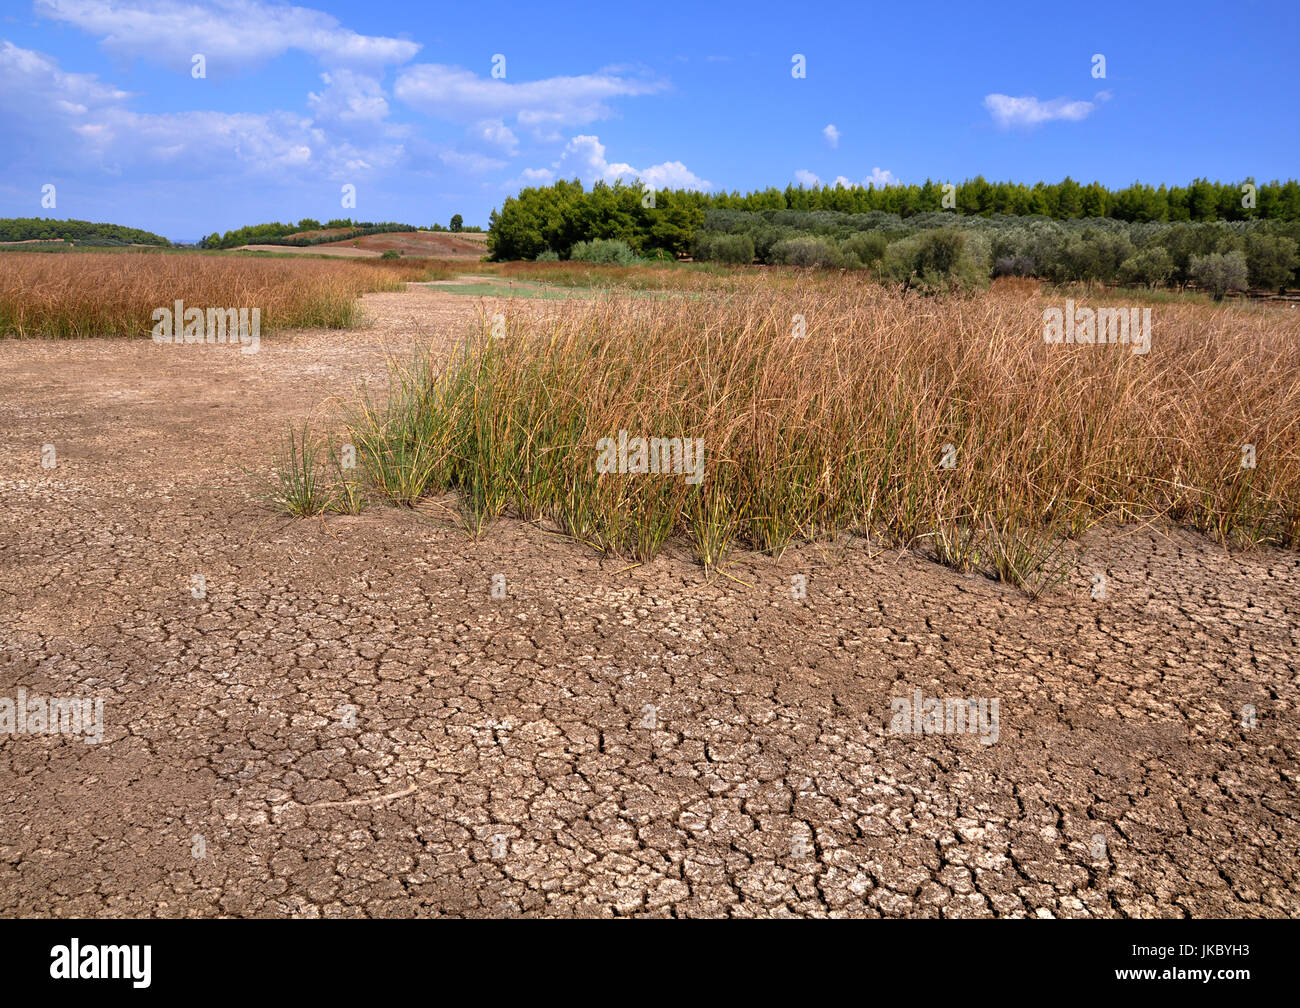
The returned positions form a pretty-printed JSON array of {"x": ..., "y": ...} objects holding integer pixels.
[{"x": 398, "y": 99}]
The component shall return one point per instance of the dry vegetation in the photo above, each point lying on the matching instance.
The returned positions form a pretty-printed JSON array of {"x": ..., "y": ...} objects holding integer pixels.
[
  {"x": 115, "y": 293},
  {"x": 845, "y": 429}
]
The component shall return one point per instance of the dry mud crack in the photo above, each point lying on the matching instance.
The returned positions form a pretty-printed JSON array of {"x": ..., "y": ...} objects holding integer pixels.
[{"x": 349, "y": 724}]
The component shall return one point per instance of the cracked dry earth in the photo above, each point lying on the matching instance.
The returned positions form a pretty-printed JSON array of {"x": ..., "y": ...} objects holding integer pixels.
[{"x": 350, "y": 724}]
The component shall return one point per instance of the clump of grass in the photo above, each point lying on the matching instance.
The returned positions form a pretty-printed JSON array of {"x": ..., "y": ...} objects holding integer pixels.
[
  {"x": 944, "y": 423},
  {"x": 300, "y": 486},
  {"x": 1033, "y": 557},
  {"x": 349, "y": 490},
  {"x": 400, "y": 449}
]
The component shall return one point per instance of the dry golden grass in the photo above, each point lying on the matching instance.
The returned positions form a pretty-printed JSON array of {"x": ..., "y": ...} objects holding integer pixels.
[
  {"x": 115, "y": 293},
  {"x": 845, "y": 429}
]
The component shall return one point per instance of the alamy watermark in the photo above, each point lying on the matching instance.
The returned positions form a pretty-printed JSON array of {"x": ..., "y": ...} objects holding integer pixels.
[
  {"x": 662, "y": 456},
  {"x": 179, "y": 324},
  {"x": 917, "y": 715},
  {"x": 75, "y": 961},
  {"x": 33, "y": 715},
  {"x": 1101, "y": 325}
]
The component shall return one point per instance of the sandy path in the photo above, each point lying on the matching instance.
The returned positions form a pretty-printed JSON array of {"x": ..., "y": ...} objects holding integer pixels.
[{"x": 353, "y": 725}]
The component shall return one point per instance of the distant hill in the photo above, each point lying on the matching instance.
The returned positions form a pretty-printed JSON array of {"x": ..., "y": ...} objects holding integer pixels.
[
  {"x": 25, "y": 229},
  {"x": 430, "y": 244},
  {"x": 312, "y": 232}
]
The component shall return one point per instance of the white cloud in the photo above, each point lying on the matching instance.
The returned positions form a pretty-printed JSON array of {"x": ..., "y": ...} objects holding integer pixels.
[
  {"x": 349, "y": 97},
  {"x": 76, "y": 120},
  {"x": 1027, "y": 112},
  {"x": 469, "y": 162},
  {"x": 495, "y": 133},
  {"x": 36, "y": 79},
  {"x": 832, "y": 135},
  {"x": 584, "y": 156},
  {"x": 226, "y": 32},
  {"x": 878, "y": 178},
  {"x": 529, "y": 177},
  {"x": 457, "y": 94}
]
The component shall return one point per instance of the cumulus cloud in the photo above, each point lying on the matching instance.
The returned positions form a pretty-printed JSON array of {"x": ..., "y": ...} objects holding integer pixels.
[
  {"x": 529, "y": 177},
  {"x": 832, "y": 135},
  {"x": 457, "y": 94},
  {"x": 1027, "y": 112},
  {"x": 226, "y": 32},
  {"x": 349, "y": 97},
  {"x": 75, "y": 120},
  {"x": 44, "y": 87},
  {"x": 496, "y": 134},
  {"x": 879, "y": 178},
  {"x": 584, "y": 156}
]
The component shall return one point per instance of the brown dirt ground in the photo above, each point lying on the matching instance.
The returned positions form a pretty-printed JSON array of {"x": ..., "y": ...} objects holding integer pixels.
[{"x": 354, "y": 726}]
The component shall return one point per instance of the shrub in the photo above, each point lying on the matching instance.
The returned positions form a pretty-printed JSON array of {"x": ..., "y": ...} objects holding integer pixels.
[
  {"x": 1014, "y": 265},
  {"x": 805, "y": 250},
  {"x": 1151, "y": 267},
  {"x": 737, "y": 249},
  {"x": 1270, "y": 260},
  {"x": 1093, "y": 255},
  {"x": 1219, "y": 273},
  {"x": 391, "y": 254},
  {"x": 548, "y": 256},
  {"x": 935, "y": 262},
  {"x": 604, "y": 251},
  {"x": 867, "y": 247}
]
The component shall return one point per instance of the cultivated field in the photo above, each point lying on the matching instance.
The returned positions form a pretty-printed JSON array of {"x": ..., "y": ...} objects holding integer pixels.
[
  {"x": 467, "y": 245},
  {"x": 477, "y": 675}
]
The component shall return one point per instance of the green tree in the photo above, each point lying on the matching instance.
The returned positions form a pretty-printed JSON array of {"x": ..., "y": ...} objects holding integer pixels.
[
  {"x": 1151, "y": 267},
  {"x": 1270, "y": 260},
  {"x": 1218, "y": 273}
]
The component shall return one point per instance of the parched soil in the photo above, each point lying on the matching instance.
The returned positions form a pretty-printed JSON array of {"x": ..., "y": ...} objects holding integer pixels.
[{"x": 348, "y": 723}]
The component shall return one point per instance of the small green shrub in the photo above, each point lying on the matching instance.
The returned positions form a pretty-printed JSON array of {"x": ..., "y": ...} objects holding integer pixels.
[
  {"x": 1270, "y": 260},
  {"x": 605, "y": 252},
  {"x": 1219, "y": 273},
  {"x": 1151, "y": 267},
  {"x": 868, "y": 248},
  {"x": 937, "y": 262},
  {"x": 736, "y": 249},
  {"x": 806, "y": 250}
]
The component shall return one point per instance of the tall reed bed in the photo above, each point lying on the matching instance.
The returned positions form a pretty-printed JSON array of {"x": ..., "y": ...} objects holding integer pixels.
[
  {"x": 115, "y": 293},
  {"x": 946, "y": 424}
]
